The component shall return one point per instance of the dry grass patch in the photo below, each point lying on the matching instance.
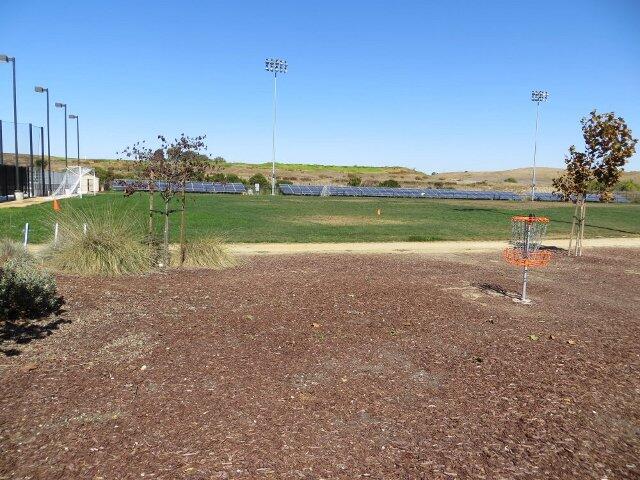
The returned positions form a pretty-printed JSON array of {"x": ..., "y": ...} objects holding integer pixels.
[{"x": 344, "y": 220}]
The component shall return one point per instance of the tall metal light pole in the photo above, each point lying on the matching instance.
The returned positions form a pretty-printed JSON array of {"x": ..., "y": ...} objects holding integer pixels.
[
  {"x": 275, "y": 65},
  {"x": 7, "y": 59},
  {"x": 537, "y": 96},
  {"x": 66, "y": 159},
  {"x": 75, "y": 117},
  {"x": 41, "y": 90}
]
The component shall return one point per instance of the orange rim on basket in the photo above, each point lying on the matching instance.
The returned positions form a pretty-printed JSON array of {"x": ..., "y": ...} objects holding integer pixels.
[
  {"x": 539, "y": 258},
  {"x": 521, "y": 218}
]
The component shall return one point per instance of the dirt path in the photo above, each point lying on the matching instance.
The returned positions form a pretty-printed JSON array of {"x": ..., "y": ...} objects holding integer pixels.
[
  {"x": 27, "y": 202},
  {"x": 433, "y": 248}
]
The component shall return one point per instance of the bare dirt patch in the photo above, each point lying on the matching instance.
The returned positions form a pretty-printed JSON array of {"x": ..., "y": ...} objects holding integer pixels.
[
  {"x": 345, "y": 220},
  {"x": 334, "y": 366}
]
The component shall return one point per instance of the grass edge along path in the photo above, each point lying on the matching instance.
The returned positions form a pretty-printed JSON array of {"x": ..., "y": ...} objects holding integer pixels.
[{"x": 280, "y": 219}]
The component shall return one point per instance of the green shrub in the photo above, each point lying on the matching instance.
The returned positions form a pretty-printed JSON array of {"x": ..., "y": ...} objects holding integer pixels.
[
  {"x": 27, "y": 292},
  {"x": 209, "y": 252},
  {"x": 628, "y": 186},
  {"x": 216, "y": 177},
  {"x": 510, "y": 180},
  {"x": 113, "y": 244},
  {"x": 390, "y": 184},
  {"x": 233, "y": 178},
  {"x": 353, "y": 180},
  {"x": 261, "y": 180}
]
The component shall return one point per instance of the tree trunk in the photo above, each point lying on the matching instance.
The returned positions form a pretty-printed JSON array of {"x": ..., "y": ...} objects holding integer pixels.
[
  {"x": 150, "y": 227},
  {"x": 166, "y": 234},
  {"x": 583, "y": 216},
  {"x": 183, "y": 248}
]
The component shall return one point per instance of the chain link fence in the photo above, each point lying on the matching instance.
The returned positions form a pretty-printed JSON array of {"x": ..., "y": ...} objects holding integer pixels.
[{"x": 27, "y": 153}]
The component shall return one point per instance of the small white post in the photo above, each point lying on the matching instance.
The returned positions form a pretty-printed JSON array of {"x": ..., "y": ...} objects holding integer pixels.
[
  {"x": 55, "y": 234},
  {"x": 84, "y": 228},
  {"x": 26, "y": 235}
]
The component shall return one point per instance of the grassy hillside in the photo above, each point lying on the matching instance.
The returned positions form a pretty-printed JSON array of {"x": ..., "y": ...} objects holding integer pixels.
[
  {"x": 330, "y": 219},
  {"x": 517, "y": 180}
]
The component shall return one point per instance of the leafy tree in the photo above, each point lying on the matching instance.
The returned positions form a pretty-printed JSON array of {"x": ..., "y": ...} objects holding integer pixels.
[
  {"x": 389, "y": 184},
  {"x": 353, "y": 180}
]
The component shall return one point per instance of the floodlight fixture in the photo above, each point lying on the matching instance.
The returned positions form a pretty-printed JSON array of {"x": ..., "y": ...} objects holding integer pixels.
[
  {"x": 60, "y": 105},
  {"x": 537, "y": 96},
  {"x": 275, "y": 65},
  {"x": 6, "y": 58},
  {"x": 73, "y": 116}
]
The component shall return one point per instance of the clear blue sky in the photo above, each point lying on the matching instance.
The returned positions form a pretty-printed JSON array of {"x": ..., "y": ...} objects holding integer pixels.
[{"x": 435, "y": 85}]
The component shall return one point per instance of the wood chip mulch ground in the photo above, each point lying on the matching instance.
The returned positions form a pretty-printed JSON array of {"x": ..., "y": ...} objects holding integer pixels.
[{"x": 333, "y": 366}]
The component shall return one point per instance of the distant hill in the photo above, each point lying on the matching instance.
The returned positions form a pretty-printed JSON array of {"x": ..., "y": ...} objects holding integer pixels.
[{"x": 518, "y": 179}]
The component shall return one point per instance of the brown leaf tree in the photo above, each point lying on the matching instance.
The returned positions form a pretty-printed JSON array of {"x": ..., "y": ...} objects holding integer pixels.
[
  {"x": 166, "y": 170},
  {"x": 609, "y": 145},
  {"x": 575, "y": 181}
]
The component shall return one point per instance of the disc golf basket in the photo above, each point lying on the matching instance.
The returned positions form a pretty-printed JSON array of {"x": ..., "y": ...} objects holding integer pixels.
[{"x": 527, "y": 233}]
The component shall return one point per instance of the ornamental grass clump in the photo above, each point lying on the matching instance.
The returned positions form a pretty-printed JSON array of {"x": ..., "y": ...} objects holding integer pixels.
[
  {"x": 208, "y": 252},
  {"x": 100, "y": 242},
  {"x": 10, "y": 249}
]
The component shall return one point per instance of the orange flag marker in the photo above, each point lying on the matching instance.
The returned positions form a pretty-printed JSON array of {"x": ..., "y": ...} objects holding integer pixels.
[{"x": 56, "y": 205}]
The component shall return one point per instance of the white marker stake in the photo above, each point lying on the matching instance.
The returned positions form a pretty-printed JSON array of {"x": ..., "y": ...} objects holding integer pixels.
[
  {"x": 55, "y": 234},
  {"x": 26, "y": 235},
  {"x": 84, "y": 228}
]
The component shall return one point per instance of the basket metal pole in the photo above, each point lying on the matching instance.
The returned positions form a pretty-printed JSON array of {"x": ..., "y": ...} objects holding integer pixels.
[{"x": 527, "y": 234}]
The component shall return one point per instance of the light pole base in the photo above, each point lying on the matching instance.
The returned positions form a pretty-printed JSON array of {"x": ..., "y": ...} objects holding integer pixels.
[{"x": 522, "y": 301}]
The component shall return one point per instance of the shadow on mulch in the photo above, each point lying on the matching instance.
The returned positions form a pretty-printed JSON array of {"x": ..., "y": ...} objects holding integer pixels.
[
  {"x": 495, "y": 289},
  {"x": 553, "y": 249},
  {"x": 24, "y": 331}
]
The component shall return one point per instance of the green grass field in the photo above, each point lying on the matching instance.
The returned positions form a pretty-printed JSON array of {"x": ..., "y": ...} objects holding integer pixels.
[{"x": 297, "y": 219}]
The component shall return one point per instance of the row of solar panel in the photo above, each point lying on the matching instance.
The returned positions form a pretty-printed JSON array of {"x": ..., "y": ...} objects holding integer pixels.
[
  {"x": 190, "y": 187},
  {"x": 317, "y": 190}
]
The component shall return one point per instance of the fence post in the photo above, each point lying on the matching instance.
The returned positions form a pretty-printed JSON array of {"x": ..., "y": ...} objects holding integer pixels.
[
  {"x": 30, "y": 186},
  {"x": 42, "y": 160}
]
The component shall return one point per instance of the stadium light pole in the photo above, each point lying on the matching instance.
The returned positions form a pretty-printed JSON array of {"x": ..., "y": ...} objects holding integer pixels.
[
  {"x": 537, "y": 96},
  {"x": 41, "y": 90},
  {"x": 75, "y": 117},
  {"x": 7, "y": 59},
  {"x": 275, "y": 65},
  {"x": 64, "y": 105}
]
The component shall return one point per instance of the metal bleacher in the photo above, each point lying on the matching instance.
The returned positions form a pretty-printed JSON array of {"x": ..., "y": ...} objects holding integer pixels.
[
  {"x": 342, "y": 191},
  {"x": 190, "y": 187}
]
